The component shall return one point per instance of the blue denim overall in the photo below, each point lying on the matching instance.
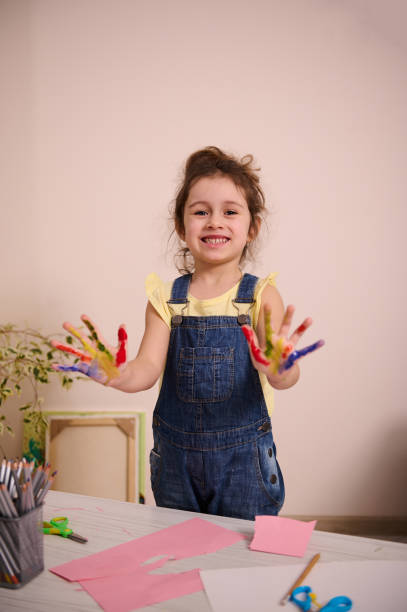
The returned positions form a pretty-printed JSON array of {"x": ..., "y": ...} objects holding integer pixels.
[{"x": 213, "y": 445}]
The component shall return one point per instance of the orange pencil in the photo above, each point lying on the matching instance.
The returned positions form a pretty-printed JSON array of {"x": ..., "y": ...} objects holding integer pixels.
[{"x": 300, "y": 579}]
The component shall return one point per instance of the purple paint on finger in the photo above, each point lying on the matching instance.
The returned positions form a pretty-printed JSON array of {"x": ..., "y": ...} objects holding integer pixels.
[
  {"x": 292, "y": 358},
  {"x": 83, "y": 368},
  {"x": 89, "y": 369}
]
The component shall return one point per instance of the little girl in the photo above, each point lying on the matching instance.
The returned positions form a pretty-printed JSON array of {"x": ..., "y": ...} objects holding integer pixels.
[{"x": 213, "y": 445}]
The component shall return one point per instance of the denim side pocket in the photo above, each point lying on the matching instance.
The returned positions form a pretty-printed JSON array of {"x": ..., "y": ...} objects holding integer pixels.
[
  {"x": 155, "y": 470},
  {"x": 268, "y": 470},
  {"x": 205, "y": 374}
]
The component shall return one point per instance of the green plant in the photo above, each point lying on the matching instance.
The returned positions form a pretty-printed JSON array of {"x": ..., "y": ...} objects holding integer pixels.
[{"x": 26, "y": 356}]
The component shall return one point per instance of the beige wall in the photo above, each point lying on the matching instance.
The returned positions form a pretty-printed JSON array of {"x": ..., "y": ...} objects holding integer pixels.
[{"x": 102, "y": 101}]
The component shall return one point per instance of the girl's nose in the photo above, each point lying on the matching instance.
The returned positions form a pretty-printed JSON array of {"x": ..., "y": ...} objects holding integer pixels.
[{"x": 214, "y": 221}]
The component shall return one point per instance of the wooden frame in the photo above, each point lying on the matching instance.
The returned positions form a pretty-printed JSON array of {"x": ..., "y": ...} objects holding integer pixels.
[
  {"x": 126, "y": 424},
  {"x": 36, "y": 445}
]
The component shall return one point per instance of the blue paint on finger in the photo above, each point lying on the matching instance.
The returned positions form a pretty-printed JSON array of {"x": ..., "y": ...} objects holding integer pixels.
[
  {"x": 89, "y": 369},
  {"x": 292, "y": 358},
  {"x": 83, "y": 368}
]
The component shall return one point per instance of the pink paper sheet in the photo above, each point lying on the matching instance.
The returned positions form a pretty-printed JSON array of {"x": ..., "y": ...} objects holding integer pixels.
[
  {"x": 118, "y": 581},
  {"x": 282, "y": 536},
  {"x": 139, "y": 588},
  {"x": 187, "y": 539}
]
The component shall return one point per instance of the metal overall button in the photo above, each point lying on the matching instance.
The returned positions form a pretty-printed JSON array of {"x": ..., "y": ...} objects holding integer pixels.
[
  {"x": 176, "y": 320},
  {"x": 242, "y": 319}
]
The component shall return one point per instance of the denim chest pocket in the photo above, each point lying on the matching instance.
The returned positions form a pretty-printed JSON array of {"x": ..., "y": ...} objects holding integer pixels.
[{"x": 205, "y": 374}]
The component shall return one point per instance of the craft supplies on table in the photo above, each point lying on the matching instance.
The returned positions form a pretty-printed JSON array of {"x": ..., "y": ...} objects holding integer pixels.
[
  {"x": 22, "y": 493},
  {"x": 234, "y": 578},
  {"x": 59, "y": 526}
]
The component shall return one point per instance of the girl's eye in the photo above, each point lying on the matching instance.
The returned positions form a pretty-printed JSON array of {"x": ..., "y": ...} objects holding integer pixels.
[
  {"x": 200, "y": 212},
  {"x": 231, "y": 212}
]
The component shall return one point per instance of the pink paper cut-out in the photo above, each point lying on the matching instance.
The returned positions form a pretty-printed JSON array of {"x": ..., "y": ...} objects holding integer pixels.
[
  {"x": 138, "y": 589},
  {"x": 117, "y": 579},
  {"x": 282, "y": 536},
  {"x": 187, "y": 539}
]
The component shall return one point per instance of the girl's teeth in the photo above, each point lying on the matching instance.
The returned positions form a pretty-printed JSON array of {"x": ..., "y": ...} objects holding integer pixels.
[{"x": 215, "y": 240}]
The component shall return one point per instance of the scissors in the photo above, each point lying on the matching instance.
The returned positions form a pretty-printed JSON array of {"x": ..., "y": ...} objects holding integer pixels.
[
  {"x": 59, "y": 526},
  {"x": 336, "y": 604}
]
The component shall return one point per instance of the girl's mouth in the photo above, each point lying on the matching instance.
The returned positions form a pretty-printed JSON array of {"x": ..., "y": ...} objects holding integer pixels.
[{"x": 214, "y": 241}]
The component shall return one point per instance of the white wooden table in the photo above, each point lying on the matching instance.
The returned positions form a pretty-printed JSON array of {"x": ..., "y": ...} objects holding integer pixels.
[{"x": 107, "y": 523}]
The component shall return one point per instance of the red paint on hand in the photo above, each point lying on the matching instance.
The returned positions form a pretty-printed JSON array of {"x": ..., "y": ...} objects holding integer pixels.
[
  {"x": 73, "y": 351},
  {"x": 301, "y": 329},
  {"x": 121, "y": 353},
  {"x": 256, "y": 352},
  {"x": 287, "y": 351}
]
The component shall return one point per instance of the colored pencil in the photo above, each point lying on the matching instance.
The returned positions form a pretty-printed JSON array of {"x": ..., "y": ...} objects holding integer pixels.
[
  {"x": 300, "y": 579},
  {"x": 22, "y": 489}
]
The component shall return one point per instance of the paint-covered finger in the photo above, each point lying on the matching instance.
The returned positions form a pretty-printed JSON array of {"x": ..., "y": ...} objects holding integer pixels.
[
  {"x": 280, "y": 349},
  {"x": 288, "y": 347},
  {"x": 295, "y": 355},
  {"x": 96, "y": 337},
  {"x": 69, "y": 349},
  {"x": 268, "y": 332},
  {"x": 300, "y": 331},
  {"x": 287, "y": 320},
  {"x": 121, "y": 355},
  {"x": 86, "y": 345},
  {"x": 89, "y": 369},
  {"x": 253, "y": 345}
]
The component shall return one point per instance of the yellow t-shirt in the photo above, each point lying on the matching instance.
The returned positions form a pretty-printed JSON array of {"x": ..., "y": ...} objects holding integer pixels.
[{"x": 159, "y": 292}]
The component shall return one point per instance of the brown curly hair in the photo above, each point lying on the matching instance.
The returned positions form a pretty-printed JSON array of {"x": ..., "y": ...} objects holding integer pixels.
[{"x": 211, "y": 161}]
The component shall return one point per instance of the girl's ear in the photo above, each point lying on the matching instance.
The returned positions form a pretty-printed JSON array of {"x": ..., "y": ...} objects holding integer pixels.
[
  {"x": 180, "y": 231},
  {"x": 254, "y": 229}
]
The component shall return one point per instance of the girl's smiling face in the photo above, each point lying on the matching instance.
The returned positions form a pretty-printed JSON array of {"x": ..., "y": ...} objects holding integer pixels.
[{"x": 217, "y": 221}]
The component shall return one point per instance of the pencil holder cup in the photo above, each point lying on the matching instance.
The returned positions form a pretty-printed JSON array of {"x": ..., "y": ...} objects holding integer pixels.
[{"x": 21, "y": 548}]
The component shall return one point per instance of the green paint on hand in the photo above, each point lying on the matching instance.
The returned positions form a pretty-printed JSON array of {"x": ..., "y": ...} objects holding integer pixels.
[{"x": 269, "y": 334}]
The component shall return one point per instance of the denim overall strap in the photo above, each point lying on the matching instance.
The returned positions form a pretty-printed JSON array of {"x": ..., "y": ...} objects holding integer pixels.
[
  {"x": 245, "y": 295},
  {"x": 245, "y": 292},
  {"x": 246, "y": 289},
  {"x": 179, "y": 289}
]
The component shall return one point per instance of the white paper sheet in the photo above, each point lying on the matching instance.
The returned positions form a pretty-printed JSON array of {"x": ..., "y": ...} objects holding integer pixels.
[{"x": 373, "y": 586}]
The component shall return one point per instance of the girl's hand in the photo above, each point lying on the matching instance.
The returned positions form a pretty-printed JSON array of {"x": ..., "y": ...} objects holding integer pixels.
[
  {"x": 100, "y": 361},
  {"x": 278, "y": 356}
]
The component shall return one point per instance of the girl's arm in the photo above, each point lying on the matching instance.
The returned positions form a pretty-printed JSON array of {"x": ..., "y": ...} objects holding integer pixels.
[{"x": 143, "y": 372}]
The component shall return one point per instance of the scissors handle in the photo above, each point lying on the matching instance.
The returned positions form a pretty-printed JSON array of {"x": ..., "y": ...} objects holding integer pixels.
[
  {"x": 60, "y": 522},
  {"x": 57, "y": 526},
  {"x": 338, "y": 604},
  {"x": 48, "y": 529},
  {"x": 306, "y": 600}
]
